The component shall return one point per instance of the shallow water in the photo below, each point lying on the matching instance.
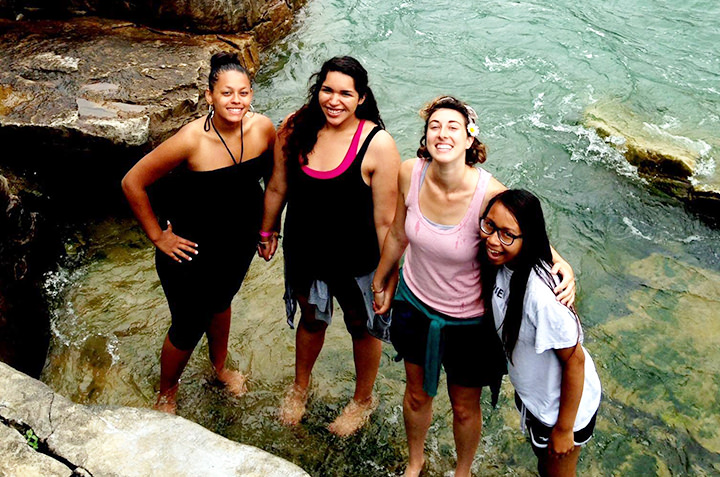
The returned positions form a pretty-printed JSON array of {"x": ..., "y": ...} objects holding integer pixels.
[{"x": 648, "y": 269}]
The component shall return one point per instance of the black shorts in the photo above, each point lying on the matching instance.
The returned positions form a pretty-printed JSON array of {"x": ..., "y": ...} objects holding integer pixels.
[
  {"x": 540, "y": 433},
  {"x": 463, "y": 352}
]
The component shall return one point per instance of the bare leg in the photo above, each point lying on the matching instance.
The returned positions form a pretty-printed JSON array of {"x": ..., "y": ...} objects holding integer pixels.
[
  {"x": 553, "y": 466},
  {"x": 367, "y": 351},
  {"x": 172, "y": 364},
  {"x": 309, "y": 341},
  {"x": 218, "y": 333},
  {"x": 417, "y": 412},
  {"x": 467, "y": 425}
]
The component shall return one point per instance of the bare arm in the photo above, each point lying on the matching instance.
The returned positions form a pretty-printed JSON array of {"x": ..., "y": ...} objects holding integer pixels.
[
  {"x": 383, "y": 182},
  {"x": 396, "y": 241},
  {"x": 145, "y": 172},
  {"x": 573, "y": 378},
  {"x": 275, "y": 195}
]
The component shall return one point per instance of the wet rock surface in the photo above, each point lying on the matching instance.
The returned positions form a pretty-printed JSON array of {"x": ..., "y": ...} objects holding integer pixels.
[
  {"x": 675, "y": 164},
  {"x": 73, "y": 439}
]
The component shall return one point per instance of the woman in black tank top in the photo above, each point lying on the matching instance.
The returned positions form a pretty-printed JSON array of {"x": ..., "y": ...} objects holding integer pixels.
[
  {"x": 336, "y": 167},
  {"x": 201, "y": 257}
]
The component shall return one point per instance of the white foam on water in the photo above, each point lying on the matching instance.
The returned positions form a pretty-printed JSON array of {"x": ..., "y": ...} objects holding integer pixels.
[
  {"x": 598, "y": 33},
  {"x": 596, "y": 149},
  {"x": 634, "y": 230},
  {"x": 699, "y": 146},
  {"x": 705, "y": 167},
  {"x": 690, "y": 239},
  {"x": 499, "y": 64},
  {"x": 112, "y": 349}
]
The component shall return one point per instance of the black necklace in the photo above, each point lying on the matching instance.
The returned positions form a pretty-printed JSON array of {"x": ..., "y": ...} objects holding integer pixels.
[{"x": 242, "y": 137}]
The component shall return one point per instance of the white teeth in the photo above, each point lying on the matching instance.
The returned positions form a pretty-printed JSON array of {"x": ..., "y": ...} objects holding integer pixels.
[{"x": 443, "y": 147}]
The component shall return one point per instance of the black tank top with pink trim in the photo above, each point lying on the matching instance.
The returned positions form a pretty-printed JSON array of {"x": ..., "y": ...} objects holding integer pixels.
[{"x": 329, "y": 225}]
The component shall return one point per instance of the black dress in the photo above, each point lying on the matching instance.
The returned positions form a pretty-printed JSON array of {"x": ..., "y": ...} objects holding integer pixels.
[{"x": 220, "y": 210}]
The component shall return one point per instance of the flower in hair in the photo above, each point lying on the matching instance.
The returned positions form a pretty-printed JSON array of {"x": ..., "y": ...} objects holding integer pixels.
[{"x": 473, "y": 129}]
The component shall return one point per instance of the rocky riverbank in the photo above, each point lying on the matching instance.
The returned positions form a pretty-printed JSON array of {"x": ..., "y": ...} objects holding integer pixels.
[
  {"x": 42, "y": 433},
  {"x": 84, "y": 97}
]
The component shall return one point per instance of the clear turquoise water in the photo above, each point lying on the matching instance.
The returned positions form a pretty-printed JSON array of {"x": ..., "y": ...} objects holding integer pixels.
[{"x": 648, "y": 269}]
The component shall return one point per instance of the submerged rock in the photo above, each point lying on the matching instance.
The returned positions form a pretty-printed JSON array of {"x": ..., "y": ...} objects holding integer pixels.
[
  {"x": 674, "y": 378},
  {"x": 114, "y": 441},
  {"x": 676, "y": 165}
]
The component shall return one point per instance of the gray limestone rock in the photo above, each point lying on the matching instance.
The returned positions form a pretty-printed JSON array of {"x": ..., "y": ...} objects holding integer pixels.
[{"x": 115, "y": 441}]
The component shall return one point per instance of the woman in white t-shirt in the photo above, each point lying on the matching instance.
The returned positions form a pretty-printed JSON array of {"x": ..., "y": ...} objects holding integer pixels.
[{"x": 557, "y": 388}]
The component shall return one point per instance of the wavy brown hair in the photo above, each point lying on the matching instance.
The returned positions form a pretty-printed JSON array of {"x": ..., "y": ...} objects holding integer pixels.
[{"x": 476, "y": 153}]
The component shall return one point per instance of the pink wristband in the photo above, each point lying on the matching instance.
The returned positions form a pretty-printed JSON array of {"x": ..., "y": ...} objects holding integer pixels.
[{"x": 264, "y": 234}]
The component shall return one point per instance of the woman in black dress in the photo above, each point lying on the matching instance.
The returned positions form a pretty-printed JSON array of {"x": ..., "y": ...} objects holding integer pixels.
[{"x": 206, "y": 234}]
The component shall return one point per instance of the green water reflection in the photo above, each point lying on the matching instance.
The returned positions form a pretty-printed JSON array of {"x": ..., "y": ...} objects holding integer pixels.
[{"x": 649, "y": 270}]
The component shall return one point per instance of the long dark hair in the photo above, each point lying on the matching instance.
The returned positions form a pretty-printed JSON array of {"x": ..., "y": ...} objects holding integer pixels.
[
  {"x": 222, "y": 62},
  {"x": 535, "y": 254},
  {"x": 476, "y": 153},
  {"x": 304, "y": 125}
]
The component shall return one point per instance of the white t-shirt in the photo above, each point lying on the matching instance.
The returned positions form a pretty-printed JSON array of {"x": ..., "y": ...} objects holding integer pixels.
[{"x": 536, "y": 372}]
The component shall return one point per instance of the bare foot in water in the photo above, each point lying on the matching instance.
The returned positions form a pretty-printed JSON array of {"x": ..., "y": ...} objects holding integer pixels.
[
  {"x": 166, "y": 401},
  {"x": 292, "y": 408},
  {"x": 234, "y": 381},
  {"x": 353, "y": 417},
  {"x": 413, "y": 471}
]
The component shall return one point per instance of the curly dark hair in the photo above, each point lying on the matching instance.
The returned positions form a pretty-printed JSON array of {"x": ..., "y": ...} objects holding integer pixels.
[
  {"x": 477, "y": 151},
  {"x": 304, "y": 125}
]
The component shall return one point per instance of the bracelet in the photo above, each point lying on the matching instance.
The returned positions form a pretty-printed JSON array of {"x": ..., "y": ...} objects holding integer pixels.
[
  {"x": 372, "y": 287},
  {"x": 264, "y": 234}
]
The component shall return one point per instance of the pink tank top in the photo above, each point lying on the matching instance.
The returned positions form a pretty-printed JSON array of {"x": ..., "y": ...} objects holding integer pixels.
[{"x": 441, "y": 266}]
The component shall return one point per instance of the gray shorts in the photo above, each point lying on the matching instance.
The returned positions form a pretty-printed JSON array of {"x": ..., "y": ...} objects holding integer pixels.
[{"x": 321, "y": 297}]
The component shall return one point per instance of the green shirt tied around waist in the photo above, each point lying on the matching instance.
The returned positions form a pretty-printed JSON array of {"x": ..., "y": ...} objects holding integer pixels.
[{"x": 433, "y": 361}]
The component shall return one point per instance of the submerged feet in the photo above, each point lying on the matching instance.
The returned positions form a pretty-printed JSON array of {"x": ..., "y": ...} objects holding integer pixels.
[
  {"x": 292, "y": 408},
  {"x": 234, "y": 381},
  {"x": 353, "y": 417},
  {"x": 166, "y": 401},
  {"x": 413, "y": 470}
]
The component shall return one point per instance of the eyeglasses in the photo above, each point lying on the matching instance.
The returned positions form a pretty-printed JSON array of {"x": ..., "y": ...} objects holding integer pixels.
[{"x": 489, "y": 228}]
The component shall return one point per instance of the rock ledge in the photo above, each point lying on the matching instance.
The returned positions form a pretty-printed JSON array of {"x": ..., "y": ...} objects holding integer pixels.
[{"x": 82, "y": 440}]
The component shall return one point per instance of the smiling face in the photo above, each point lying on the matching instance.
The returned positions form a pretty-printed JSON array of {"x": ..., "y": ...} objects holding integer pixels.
[
  {"x": 500, "y": 218},
  {"x": 447, "y": 137},
  {"x": 231, "y": 96},
  {"x": 338, "y": 98}
]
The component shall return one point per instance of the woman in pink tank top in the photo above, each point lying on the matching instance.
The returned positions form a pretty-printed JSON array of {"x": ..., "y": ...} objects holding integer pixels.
[{"x": 438, "y": 308}]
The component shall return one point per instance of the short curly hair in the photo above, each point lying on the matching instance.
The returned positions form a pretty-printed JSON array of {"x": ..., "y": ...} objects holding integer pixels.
[{"x": 476, "y": 153}]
